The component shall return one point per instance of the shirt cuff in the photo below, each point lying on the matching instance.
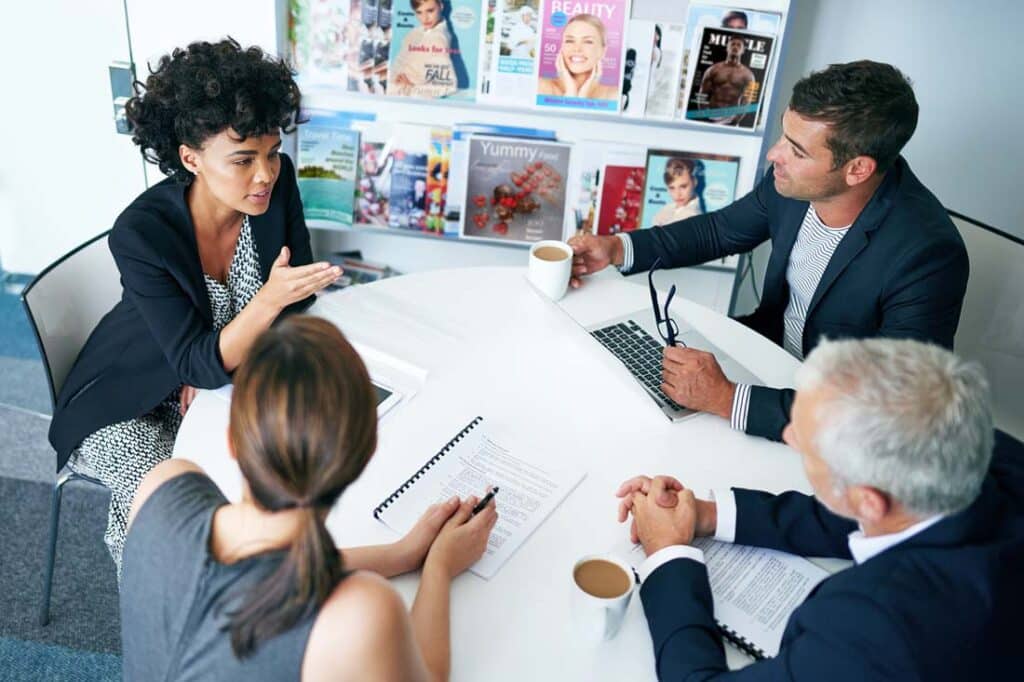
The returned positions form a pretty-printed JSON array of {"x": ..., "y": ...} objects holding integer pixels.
[
  {"x": 667, "y": 554},
  {"x": 725, "y": 511},
  {"x": 627, "y": 252},
  {"x": 740, "y": 407}
]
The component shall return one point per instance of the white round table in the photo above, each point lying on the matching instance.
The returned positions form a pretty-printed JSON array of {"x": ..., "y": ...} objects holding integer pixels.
[{"x": 472, "y": 341}]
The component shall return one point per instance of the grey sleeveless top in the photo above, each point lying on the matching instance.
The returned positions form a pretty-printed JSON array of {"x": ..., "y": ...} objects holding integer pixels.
[{"x": 175, "y": 596}]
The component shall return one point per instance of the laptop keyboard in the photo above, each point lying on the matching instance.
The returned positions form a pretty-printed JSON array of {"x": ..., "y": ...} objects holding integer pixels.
[{"x": 638, "y": 351}]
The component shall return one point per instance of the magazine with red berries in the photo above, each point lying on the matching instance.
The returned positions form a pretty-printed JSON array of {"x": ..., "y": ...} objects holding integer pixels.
[{"x": 515, "y": 190}]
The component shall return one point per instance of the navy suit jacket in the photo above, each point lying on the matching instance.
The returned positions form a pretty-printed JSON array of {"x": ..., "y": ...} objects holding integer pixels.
[
  {"x": 901, "y": 271},
  {"x": 945, "y": 604},
  {"x": 160, "y": 335}
]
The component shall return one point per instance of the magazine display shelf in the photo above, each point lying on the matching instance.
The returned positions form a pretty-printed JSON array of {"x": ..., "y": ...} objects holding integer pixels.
[{"x": 569, "y": 126}]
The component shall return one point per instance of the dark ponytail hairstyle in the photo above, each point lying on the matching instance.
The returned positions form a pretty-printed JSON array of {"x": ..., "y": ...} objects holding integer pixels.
[{"x": 303, "y": 425}]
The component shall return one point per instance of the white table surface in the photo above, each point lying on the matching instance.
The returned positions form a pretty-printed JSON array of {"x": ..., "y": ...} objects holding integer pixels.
[{"x": 483, "y": 341}]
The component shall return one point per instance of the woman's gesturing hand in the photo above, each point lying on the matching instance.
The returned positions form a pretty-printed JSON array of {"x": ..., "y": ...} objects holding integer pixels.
[{"x": 287, "y": 284}]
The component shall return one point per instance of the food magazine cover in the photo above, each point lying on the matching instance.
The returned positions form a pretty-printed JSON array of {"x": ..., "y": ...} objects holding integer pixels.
[
  {"x": 515, "y": 190},
  {"x": 701, "y": 16},
  {"x": 509, "y": 53},
  {"x": 435, "y": 49},
  {"x": 622, "y": 189},
  {"x": 729, "y": 71},
  {"x": 684, "y": 184},
  {"x": 581, "y": 55}
]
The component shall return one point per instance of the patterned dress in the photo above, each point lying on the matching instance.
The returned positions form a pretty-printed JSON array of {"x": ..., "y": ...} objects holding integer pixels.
[{"x": 121, "y": 454}]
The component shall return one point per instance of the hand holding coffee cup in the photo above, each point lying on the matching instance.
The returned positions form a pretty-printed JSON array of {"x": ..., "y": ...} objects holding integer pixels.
[
  {"x": 549, "y": 267},
  {"x": 602, "y": 587},
  {"x": 592, "y": 253}
]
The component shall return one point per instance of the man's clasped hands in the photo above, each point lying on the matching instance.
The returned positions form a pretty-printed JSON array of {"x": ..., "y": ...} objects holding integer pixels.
[{"x": 664, "y": 512}]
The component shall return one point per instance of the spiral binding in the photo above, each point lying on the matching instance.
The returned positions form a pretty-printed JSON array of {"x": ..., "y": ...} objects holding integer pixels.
[
  {"x": 741, "y": 643},
  {"x": 423, "y": 469}
]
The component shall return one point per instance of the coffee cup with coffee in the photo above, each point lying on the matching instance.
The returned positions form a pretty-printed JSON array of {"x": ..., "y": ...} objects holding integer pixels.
[
  {"x": 601, "y": 588},
  {"x": 549, "y": 267}
]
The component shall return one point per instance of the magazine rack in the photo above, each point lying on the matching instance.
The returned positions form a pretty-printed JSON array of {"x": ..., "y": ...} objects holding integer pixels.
[{"x": 380, "y": 244}]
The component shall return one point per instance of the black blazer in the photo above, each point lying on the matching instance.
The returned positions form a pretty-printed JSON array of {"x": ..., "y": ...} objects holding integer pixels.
[
  {"x": 160, "y": 335},
  {"x": 901, "y": 271},
  {"x": 944, "y": 604}
]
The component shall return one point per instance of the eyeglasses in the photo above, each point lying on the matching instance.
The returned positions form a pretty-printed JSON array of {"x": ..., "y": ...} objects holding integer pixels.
[{"x": 667, "y": 327}]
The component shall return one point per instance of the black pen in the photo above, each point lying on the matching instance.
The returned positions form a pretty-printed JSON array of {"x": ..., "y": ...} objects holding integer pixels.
[{"x": 482, "y": 504}]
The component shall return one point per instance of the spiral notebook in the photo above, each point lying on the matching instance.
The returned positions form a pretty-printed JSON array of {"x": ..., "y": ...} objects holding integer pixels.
[
  {"x": 754, "y": 590},
  {"x": 470, "y": 462}
]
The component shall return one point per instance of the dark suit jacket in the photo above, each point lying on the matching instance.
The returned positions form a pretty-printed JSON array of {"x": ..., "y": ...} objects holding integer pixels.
[
  {"x": 160, "y": 335},
  {"x": 900, "y": 271},
  {"x": 944, "y": 604}
]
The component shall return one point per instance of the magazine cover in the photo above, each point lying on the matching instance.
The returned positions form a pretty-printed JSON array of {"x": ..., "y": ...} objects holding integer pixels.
[
  {"x": 622, "y": 189},
  {"x": 369, "y": 32},
  {"x": 457, "y": 167},
  {"x": 729, "y": 71},
  {"x": 684, "y": 184},
  {"x": 320, "y": 38},
  {"x": 438, "y": 159},
  {"x": 515, "y": 190},
  {"x": 407, "y": 200},
  {"x": 373, "y": 186},
  {"x": 328, "y": 152},
  {"x": 701, "y": 16},
  {"x": 435, "y": 48},
  {"x": 666, "y": 61},
  {"x": 585, "y": 186},
  {"x": 581, "y": 55},
  {"x": 509, "y": 58},
  {"x": 636, "y": 74}
]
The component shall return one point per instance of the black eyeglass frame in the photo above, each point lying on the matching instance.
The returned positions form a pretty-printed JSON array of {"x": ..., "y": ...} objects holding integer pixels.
[{"x": 667, "y": 327}]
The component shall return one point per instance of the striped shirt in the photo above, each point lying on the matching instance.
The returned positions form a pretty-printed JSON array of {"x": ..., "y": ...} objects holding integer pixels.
[{"x": 815, "y": 244}]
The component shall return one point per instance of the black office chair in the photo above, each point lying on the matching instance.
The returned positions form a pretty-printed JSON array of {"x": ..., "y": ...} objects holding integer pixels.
[{"x": 64, "y": 303}]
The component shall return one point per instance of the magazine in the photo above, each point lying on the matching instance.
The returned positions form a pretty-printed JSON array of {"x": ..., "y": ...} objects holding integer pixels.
[
  {"x": 373, "y": 186},
  {"x": 581, "y": 55},
  {"x": 323, "y": 46},
  {"x": 328, "y": 151},
  {"x": 682, "y": 184},
  {"x": 460, "y": 158},
  {"x": 515, "y": 190},
  {"x": 701, "y": 16},
  {"x": 369, "y": 32},
  {"x": 438, "y": 160},
  {"x": 729, "y": 71},
  {"x": 509, "y": 58},
  {"x": 436, "y": 45},
  {"x": 622, "y": 190},
  {"x": 585, "y": 187},
  {"x": 636, "y": 74},
  {"x": 407, "y": 200},
  {"x": 666, "y": 61}
]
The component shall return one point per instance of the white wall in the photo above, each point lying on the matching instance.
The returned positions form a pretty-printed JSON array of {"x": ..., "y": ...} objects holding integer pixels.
[
  {"x": 964, "y": 59},
  {"x": 65, "y": 173}
]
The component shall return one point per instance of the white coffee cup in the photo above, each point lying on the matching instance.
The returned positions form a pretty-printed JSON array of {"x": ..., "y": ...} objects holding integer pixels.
[
  {"x": 549, "y": 274},
  {"x": 598, "y": 618}
]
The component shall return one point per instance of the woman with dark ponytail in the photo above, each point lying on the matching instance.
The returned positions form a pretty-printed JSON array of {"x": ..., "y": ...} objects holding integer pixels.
[{"x": 257, "y": 590}]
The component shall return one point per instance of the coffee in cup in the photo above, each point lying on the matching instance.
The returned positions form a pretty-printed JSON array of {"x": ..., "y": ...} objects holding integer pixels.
[
  {"x": 549, "y": 267},
  {"x": 601, "y": 589}
]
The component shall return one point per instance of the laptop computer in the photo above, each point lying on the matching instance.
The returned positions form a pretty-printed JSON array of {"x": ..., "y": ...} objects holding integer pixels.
[{"x": 634, "y": 340}]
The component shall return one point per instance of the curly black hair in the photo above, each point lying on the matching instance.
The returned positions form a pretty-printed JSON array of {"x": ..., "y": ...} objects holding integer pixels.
[{"x": 200, "y": 91}]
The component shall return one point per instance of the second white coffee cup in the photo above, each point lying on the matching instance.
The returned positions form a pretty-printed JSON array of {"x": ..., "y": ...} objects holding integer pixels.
[
  {"x": 550, "y": 267},
  {"x": 601, "y": 587}
]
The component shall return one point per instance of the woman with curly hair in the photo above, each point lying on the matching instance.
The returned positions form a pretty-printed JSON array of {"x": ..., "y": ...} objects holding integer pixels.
[{"x": 209, "y": 258}]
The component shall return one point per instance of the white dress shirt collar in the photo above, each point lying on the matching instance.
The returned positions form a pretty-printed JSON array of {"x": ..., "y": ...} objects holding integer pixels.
[{"x": 863, "y": 548}]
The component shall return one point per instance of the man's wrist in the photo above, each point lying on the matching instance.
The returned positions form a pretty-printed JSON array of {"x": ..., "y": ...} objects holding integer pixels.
[
  {"x": 724, "y": 407},
  {"x": 707, "y": 518},
  {"x": 618, "y": 255}
]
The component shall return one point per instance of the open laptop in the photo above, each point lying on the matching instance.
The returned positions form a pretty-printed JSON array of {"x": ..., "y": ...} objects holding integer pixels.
[{"x": 634, "y": 340}]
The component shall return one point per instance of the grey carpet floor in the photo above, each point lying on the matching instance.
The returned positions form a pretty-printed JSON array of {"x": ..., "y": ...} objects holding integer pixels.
[
  {"x": 24, "y": 450},
  {"x": 23, "y": 384},
  {"x": 84, "y": 606}
]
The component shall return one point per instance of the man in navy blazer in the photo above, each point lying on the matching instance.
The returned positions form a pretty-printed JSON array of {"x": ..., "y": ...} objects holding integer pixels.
[
  {"x": 896, "y": 440},
  {"x": 860, "y": 248}
]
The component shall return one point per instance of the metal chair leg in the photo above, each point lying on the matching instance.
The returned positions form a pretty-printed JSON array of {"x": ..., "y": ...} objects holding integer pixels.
[{"x": 51, "y": 550}]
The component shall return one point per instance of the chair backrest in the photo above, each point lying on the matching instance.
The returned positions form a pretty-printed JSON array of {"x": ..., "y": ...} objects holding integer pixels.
[
  {"x": 991, "y": 327},
  {"x": 66, "y": 301}
]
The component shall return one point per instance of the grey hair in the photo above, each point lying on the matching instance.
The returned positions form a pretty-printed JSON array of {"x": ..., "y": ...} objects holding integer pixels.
[{"x": 905, "y": 417}]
